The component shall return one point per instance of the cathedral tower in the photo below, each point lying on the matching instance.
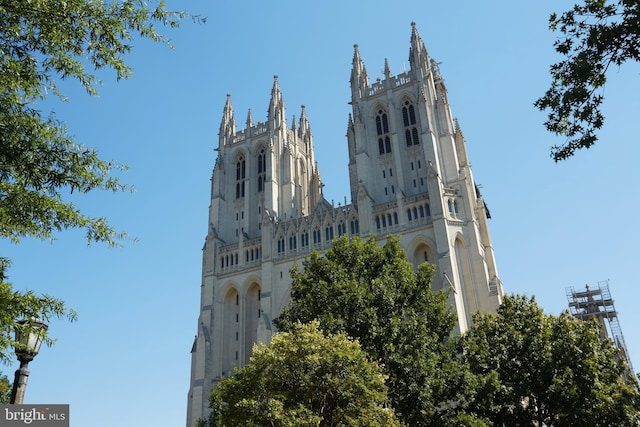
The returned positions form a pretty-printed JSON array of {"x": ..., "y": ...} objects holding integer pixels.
[{"x": 409, "y": 176}]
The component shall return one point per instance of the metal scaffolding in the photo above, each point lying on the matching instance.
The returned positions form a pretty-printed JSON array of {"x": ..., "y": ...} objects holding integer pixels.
[{"x": 597, "y": 303}]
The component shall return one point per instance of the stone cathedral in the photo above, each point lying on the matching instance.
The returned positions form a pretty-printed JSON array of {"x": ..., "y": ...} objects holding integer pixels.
[{"x": 409, "y": 176}]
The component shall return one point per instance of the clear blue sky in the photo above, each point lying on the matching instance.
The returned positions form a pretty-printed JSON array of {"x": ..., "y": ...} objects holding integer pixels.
[{"x": 126, "y": 360}]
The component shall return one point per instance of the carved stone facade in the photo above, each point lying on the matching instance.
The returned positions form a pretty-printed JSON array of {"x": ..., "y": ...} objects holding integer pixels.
[{"x": 409, "y": 176}]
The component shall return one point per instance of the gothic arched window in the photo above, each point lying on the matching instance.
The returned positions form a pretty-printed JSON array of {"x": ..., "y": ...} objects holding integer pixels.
[
  {"x": 262, "y": 168},
  {"x": 240, "y": 177},
  {"x": 382, "y": 130},
  {"x": 328, "y": 231},
  {"x": 355, "y": 227},
  {"x": 409, "y": 120}
]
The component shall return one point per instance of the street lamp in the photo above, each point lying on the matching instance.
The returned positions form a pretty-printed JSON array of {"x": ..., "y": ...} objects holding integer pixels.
[{"x": 30, "y": 341}]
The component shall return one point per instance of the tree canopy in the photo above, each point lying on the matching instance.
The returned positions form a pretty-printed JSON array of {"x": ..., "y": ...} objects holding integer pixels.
[
  {"x": 304, "y": 378},
  {"x": 596, "y": 35},
  {"x": 372, "y": 294},
  {"x": 516, "y": 367},
  {"x": 535, "y": 369},
  {"x": 41, "y": 42},
  {"x": 41, "y": 165}
]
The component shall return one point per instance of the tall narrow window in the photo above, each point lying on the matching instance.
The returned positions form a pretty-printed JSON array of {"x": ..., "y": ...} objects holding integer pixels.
[
  {"x": 328, "y": 231},
  {"x": 412, "y": 115},
  {"x": 262, "y": 168},
  {"x": 382, "y": 130},
  {"x": 355, "y": 227},
  {"x": 240, "y": 177},
  {"x": 411, "y": 135}
]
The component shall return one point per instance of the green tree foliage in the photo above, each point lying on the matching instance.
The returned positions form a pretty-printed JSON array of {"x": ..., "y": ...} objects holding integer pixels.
[
  {"x": 595, "y": 35},
  {"x": 372, "y": 294},
  {"x": 304, "y": 378},
  {"x": 535, "y": 369},
  {"x": 17, "y": 305},
  {"x": 41, "y": 42},
  {"x": 5, "y": 389}
]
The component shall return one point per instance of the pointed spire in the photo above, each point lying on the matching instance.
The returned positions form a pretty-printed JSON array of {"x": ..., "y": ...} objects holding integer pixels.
[
  {"x": 359, "y": 77},
  {"x": 457, "y": 128},
  {"x": 293, "y": 123},
  {"x": 435, "y": 69},
  {"x": 387, "y": 70},
  {"x": 276, "y": 105},
  {"x": 461, "y": 146},
  {"x": 228, "y": 123},
  {"x": 305, "y": 128},
  {"x": 418, "y": 56},
  {"x": 349, "y": 129},
  {"x": 249, "y": 119},
  {"x": 276, "y": 93}
]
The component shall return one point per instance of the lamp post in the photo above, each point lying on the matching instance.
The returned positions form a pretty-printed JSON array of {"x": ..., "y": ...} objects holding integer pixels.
[{"x": 30, "y": 341}]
